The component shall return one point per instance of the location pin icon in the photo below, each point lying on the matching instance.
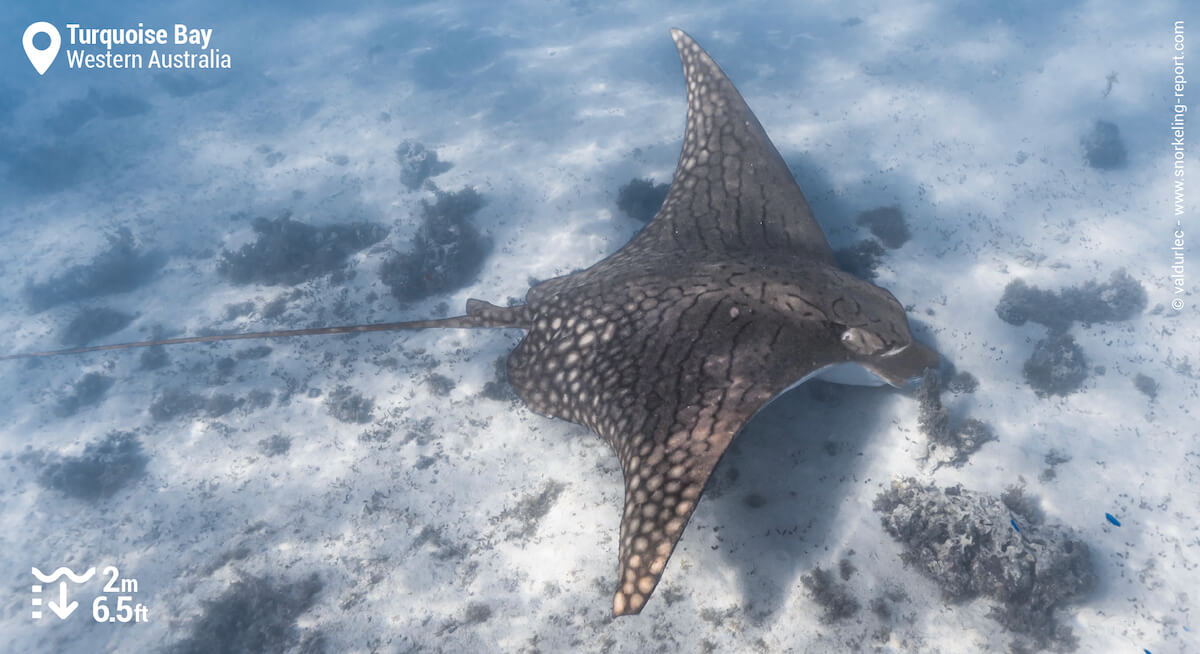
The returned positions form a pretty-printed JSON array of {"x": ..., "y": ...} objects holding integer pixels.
[{"x": 41, "y": 59}]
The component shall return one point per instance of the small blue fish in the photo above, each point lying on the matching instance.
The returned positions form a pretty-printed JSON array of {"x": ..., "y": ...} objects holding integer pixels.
[
  {"x": 1112, "y": 519},
  {"x": 1014, "y": 524}
]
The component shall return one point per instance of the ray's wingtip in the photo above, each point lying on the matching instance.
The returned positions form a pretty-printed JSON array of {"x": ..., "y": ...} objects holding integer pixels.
[
  {"x": 623, "y": 605},
  {"x": 681, "y": 37}
]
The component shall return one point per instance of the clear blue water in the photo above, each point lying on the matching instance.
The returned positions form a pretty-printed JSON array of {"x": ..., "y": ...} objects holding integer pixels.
[{"x": 388, "y": 492}]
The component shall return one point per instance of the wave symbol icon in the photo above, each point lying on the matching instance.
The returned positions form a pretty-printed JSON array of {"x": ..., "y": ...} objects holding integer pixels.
[{"x": 61, "y": 572}]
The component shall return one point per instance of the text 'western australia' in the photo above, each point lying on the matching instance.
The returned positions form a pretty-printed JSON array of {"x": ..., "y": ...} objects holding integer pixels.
[{"x": 125, "y": 47}]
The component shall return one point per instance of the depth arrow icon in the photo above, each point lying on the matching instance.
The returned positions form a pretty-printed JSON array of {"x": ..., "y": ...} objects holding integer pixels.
[{"x": 62, "y": 609}]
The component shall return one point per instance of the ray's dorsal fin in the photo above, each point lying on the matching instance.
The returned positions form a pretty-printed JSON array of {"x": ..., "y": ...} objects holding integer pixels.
[
  {"x": 479, "y": 314},
  {"x": 732, "y": 191}
]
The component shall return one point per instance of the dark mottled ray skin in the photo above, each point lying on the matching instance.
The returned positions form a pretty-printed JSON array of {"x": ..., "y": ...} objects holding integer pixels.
[
  {"x": 668, "y": 347},
  {"x": 667, "y": 361},
  {"x": 728, "y": 297}
]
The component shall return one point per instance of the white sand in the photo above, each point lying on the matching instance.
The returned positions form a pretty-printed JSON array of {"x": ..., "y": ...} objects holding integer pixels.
[{"x": 915, "y": 105}]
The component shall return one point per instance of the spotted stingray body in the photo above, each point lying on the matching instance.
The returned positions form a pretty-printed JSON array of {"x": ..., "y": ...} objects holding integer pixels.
[
  {"x": 666, "y": 348},
  {"x": 669, "y": 346}
]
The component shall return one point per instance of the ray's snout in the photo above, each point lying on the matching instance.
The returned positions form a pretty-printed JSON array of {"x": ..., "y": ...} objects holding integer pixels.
[{"x": 906, "y": 368}]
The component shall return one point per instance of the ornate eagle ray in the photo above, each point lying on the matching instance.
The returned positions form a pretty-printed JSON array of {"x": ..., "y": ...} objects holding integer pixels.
[{"x": 666, "y": 348}]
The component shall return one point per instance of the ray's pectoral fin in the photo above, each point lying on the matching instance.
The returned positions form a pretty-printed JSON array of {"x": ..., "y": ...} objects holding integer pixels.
[
  {"x": 732, "y": 191},
  {"x": 666, "y": 475},
  {"x": 660, "y": 497}
]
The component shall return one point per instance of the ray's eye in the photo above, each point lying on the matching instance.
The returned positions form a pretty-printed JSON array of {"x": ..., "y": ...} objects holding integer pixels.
[{"x": 861, "y": 341}]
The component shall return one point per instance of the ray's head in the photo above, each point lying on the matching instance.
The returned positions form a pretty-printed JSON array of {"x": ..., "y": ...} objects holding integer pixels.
[{"x": 874, "y": 333}]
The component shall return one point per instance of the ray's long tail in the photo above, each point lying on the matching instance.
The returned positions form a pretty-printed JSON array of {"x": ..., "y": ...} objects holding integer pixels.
[{"x": 479, "y": 314}]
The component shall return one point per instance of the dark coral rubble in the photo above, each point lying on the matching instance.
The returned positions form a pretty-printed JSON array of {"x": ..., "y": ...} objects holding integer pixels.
[
  {"x": 447, "y": 251},
  {"x": 93, "y": 323},
  {"x": 121, "y": 267},
  {"x": 417, "y": 164},
  {"x": 949, "y": 442},
  {"x": 641, "y": 198},
  {"x": 965, "y": 541},
  {"x": 1057, "y": 366},
  {"x": 1120, "y": 298},
  {"x": 87, "y": 391},
  {"x": 861, "y": 259},
  {"x": 1103, "y": 148},
  {"x": 256, "y": 615},
  {"x": 289, "y": 252},
  {"x": 104, "y": 467},
  {"x": 886, "y": 224},
  {"x": 837, "y": 602}
]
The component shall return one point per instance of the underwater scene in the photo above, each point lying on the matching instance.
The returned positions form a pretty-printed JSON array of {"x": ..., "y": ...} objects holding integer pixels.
[{"x": 569, "y": 326}]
